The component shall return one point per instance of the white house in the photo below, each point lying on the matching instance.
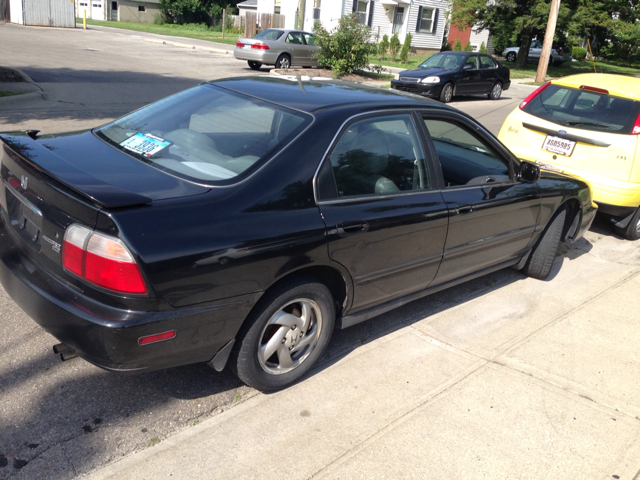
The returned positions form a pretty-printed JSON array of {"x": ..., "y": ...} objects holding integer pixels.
[{"x": 423, "y": 19}]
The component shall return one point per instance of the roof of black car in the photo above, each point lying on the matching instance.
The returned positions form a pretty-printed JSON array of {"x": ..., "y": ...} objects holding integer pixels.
[{"x": 313, "y": 94}]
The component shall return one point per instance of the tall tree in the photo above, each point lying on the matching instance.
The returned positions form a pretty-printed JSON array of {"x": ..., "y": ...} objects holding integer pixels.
[{"x": 509, "y": 21}]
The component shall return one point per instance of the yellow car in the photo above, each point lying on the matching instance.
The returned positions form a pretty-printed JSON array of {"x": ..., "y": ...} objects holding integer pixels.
[{"x": 586, "y": 125}]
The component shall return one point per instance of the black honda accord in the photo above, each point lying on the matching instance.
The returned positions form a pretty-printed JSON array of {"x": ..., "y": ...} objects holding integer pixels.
[
  {"x": 447, "y": 74},
  {"x": 238, "y": 222}
]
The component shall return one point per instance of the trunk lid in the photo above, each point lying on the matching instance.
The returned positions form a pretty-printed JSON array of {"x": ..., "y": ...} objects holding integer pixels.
[{"x": 49, "y": 183}]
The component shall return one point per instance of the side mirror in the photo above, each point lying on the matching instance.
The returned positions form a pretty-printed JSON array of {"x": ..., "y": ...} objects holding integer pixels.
[
  {"x": 529, "y": 172},
  {"x": 467, "y": 66}
]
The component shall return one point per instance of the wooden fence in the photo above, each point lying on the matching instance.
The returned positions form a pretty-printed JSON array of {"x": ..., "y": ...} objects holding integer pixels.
[{"x": 256, "y": 23}]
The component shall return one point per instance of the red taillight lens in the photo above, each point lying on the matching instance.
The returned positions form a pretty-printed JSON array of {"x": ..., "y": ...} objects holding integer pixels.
[
  {"x": 260, "y": 46},
  {"x": 636, "y": 126},
  {"x": 534, "y": 94},
  {"x": 101, "y": 260},
  {"x": 239, "y": 44}
]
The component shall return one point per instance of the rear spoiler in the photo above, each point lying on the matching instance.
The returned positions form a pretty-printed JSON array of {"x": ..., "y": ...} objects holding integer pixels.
[{"x": 21, "y": 145}]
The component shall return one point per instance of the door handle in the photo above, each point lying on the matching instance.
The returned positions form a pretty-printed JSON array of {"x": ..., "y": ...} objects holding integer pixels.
[
  {"x": 352, "y": 227},
  {"x": 464, "y": 210}
]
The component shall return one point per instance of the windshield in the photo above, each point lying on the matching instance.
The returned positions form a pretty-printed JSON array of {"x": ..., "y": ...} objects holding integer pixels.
[
  {"x": 445, "y": 61},
  {"x": 584, "y": 109},
  {"x": 269, "y": 34},
  {"x": 206, "y": 134}
]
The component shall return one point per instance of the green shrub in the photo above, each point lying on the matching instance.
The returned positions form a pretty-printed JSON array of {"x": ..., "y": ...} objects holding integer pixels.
[
  {"x": 483, "y": 48},
  {"x": 406, "y": 48},
  {"x": 346, "y": 48},
  {"x": 579, "y": 53},
  {"x": 468, "y": 47},
  {"x": 457, "y": 47},
  {"x": 394, "y": 47},
  {"x": 158, "y": 19},
  {"x": 383, "y": 46}
]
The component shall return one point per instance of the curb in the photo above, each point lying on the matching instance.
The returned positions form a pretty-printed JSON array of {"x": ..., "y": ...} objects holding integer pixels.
[
  {"x": 185, "y": 45},
  {"x": 17, "y": 99}
]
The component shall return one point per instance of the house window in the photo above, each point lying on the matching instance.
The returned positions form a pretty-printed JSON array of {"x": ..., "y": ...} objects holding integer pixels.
[
  {"x": 276, "y": 8},
  {"x": 426, "y": 20},
  {"x": 141, "y": 8},
  {"x": 316, "y": 9},
  {"x": 362, "y": 12}
]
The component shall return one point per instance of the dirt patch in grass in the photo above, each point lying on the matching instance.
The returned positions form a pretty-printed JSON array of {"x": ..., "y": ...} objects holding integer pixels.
[
  {"x": 9, "y": 76},
  {"x": 363, "y": 77}
]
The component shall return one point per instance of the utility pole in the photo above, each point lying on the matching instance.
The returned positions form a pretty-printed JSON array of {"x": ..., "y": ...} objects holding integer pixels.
[{"x": 548, "y": 40}]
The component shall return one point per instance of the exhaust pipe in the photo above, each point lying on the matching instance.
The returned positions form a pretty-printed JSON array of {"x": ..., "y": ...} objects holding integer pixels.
[
  {"x": 59, "y": 348},
  {"x": 68, "y": 355}
]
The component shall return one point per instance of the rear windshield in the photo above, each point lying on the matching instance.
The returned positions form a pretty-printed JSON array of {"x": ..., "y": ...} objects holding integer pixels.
[
  {"x": 205, "y": 134},
  {"x": 270, "y": 34},
  {"x": 583, "y": 109}
]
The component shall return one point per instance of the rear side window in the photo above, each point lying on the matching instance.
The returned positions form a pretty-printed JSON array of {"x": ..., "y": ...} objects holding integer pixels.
[
  {"x": 206, "y": 134},
  {"x": 584, "y": 109},
  {"x": 380, "y": 155}
]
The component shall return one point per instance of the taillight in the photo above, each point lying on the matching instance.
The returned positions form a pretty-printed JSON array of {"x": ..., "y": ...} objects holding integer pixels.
[
  {"x": 534, "y": 94},
  {"x": 594, "y": 89},
  {"x": 560, "y": 52},
  {"x": 260, "y": 46},
  {"x": 636, "y": 126},
  {"x": 239, "y": 44},
  {"x": 102, "y": 260}
]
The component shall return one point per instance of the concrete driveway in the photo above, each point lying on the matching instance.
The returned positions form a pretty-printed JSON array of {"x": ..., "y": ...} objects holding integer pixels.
[{"x": 502, "y": 377}]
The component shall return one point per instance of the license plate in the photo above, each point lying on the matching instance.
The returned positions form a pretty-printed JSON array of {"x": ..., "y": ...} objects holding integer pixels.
[
  {"x": 558, "y": 145},
  {"x": 247, "y": 46}
]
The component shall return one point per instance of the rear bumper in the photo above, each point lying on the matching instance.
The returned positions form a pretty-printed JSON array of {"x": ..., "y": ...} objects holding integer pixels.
[
  {"x": 108, "y": 336},
  {"x": 262, "y": 56}
]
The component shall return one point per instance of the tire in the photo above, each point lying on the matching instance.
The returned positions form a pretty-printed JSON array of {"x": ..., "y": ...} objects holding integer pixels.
[
  {"x": 283, "y": 61},
  {"x": 254, "y": 65},
  {"x": 544, "y": 253},
  {"x": 284, "y": 335},
  {"x": 511, "y": 57},
  {"x": 495, "y": 92},
  {"x": 447, "y": 93},
  {"x": 631, "y": 231}
]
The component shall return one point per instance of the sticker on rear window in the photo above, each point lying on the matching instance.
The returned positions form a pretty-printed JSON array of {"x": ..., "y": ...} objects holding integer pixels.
[{"x": 145, "y": 144}]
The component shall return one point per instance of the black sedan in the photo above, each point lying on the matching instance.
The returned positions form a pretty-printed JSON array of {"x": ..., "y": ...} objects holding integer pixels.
[
  {"x": 238, "y": 222},
  {"x": 455, "y": 73}
]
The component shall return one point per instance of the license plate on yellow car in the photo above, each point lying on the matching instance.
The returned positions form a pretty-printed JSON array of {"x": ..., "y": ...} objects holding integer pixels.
[{"x": 558, "y": 145}]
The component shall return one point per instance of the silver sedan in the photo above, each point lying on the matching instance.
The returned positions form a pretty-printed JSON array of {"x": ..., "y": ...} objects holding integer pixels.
[{"x": 280, "y": 47}]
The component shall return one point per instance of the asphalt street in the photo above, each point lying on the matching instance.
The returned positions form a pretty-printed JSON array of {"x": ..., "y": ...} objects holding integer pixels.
[{"x": 62, "y": 420}]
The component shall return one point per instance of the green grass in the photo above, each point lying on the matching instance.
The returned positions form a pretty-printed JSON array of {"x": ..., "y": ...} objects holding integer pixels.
[
  {"x": 412, "y": 62},
  {"x": 574, "y": 68},
  {"x": 168, "y": 29},
  {"x": 5, "y": 93}
]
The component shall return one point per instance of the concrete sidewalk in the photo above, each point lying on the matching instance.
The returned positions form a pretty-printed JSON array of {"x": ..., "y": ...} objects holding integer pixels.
[{"x": 527, "y": 379}]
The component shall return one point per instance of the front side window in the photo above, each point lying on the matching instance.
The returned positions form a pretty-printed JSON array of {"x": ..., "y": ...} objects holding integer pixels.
[
  {"x": 426, "y": 20},
  {"x": 206, "y": 134},
  {"x": 473, "y": 61},
  {"x": 379, "y": 155},
  {"x": 584, "y": 109},
  {"x": 465, "y": 158}
]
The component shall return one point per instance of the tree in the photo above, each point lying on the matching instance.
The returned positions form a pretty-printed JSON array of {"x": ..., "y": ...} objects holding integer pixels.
[
  {"x": 468, "y": 47},
  {"x": 346, "y": 48},
  {"x": 394, "y": 47},
  {"x": 483, "y": 48},
  {"x": 510, "y": 21},
  {"x": 457, "y": 46},
  {"x": 383, "y": 46},
  {"x": 625, "y": 41},
  {"x": 406, "y": 48}
]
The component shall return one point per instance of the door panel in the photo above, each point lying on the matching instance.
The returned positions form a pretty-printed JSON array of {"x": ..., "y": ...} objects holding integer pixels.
[
  {"x": 384, "y": 223},
  {"x": 470, "y": 79},
  {"x": 492, "y": 217}
]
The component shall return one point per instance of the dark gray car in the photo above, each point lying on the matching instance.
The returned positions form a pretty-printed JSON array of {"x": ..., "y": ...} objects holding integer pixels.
[{"x": 280, "y": 47}]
